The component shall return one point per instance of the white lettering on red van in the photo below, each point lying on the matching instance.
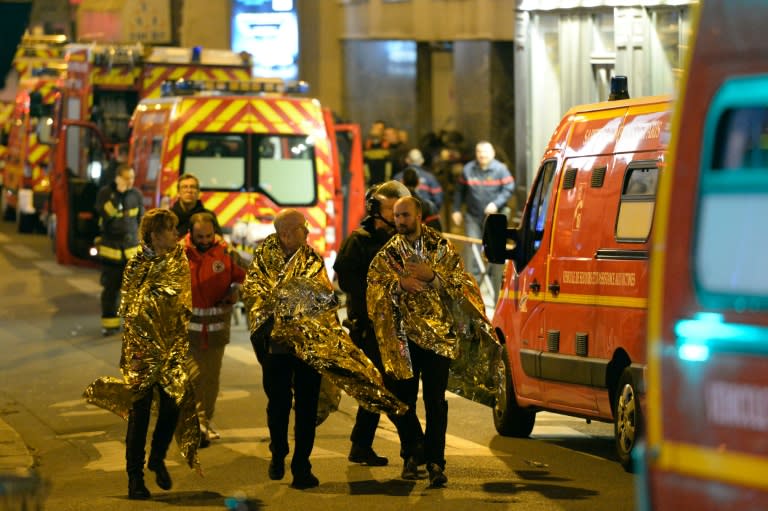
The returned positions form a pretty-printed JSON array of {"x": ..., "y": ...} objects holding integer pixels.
[
  {"x": 642, "y": 131},
  {"x": 737, "y": 406},
  {"x": 603, "y": 278},
  {"x": 152, "y": 118}
]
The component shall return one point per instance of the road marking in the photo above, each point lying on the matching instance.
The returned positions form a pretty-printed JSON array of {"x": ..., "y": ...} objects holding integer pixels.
[
  {"x": 231, "y": 395},
  {"x": 87, "y": 413},
  {"x": 84, "y": 434},
  {"x": 555, "y": 417},
  {"x": 112, "y": 457},
  {"x": 71, "y": 403},
  {"x": 85, "y": 285},
  {"x": 22, "y": 251},
  {"x": 241, "y": 354},
  {"x": 53, "y": 268},
  {"x": 543, "y": 432}
]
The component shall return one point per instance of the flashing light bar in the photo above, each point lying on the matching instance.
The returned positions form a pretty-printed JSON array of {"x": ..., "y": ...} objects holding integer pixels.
[
  {"x": 198, "y": 55},
  {"x": 264, "y": 85},
  {"x": 47, "y": 71},
  {"x": 708, "y": 333}
]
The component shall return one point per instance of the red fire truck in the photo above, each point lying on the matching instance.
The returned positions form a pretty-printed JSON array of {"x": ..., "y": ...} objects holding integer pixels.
[
  {"x": 254, "y": 148},
  {"x": 38, "y": 65},
  {"x": 104, "y": 83}
]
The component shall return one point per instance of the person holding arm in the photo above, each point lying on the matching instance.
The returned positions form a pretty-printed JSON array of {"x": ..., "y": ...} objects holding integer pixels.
[{"x": 422, "y": 303}]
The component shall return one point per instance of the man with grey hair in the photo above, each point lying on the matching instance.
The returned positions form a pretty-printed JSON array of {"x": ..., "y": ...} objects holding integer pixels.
[
  {"x": 484, "y": 187},
  {"x": 351, "y": 266}
]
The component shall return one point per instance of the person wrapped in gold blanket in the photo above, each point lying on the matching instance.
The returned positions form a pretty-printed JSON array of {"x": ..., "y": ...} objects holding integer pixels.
[
  {"x": 156, "y": 307},
  {"x": 297, "y": 337}
]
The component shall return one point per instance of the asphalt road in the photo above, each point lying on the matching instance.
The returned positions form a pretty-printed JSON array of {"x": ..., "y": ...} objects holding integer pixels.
[{"x": 52, "y": 348}]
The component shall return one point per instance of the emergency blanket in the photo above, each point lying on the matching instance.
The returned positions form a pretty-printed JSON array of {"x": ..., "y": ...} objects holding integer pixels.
[
  {"x": 299, "y": 297},
  {"x": 447, "y": 318},
  {"x": 156, "y": 303}
]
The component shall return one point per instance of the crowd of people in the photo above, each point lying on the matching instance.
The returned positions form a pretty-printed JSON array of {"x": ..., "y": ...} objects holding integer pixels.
[
  {"x": 170, "y": 282},
  {"x": 476, "y": 186}
]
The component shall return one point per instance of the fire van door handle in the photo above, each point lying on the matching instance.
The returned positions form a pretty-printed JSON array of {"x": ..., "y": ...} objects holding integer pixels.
[
  {"x": 554, "y": 288},
  {"x": 534, "y": 286}
]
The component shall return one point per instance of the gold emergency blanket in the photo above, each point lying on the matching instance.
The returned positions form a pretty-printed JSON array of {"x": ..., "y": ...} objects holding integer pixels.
[
  {"x": 447, "y": 318},
  {"x": 299, "y": 296},
  {"x": 156, "y": 303}
]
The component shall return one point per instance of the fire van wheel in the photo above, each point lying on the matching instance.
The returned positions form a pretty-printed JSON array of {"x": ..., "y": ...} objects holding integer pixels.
[
  {"x": 627, "y": 418},
  {"x": 509, "y": 418}
]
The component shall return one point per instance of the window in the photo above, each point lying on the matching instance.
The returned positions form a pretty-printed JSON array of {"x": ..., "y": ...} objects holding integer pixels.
[
  {"x": 279, "y": 166},
  {"x": 536, "y": 216},
  {"x": 217, "y": 160},
  {"x": 638, "y": 200},
  {"x": 743, "y": 133},
  {"x": 286, "y": 169},
  {"x": 731, "y": 233},
  {"x": 154, "y": 159}
]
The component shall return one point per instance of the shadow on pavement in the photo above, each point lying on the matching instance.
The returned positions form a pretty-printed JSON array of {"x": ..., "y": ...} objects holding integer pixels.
[{"x": 191, "y": 499}]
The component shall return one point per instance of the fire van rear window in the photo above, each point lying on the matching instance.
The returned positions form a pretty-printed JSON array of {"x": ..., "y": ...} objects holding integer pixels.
[
  {"x": 731, "y": 231},
  {"x": 281, "y": 167}
]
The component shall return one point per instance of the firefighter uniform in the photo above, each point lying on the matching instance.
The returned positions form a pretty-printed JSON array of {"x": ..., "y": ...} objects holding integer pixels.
[{"x": 119, "y": 217}]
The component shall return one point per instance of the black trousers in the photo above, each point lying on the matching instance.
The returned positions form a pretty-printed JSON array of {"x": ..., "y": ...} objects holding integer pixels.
[
  {"x": 138, "y": 425},
  {"x": 408, "y": 425},
  {"x": 433, "y": 371},
  {"x": 283, "y": 376},
  {"x": 111, "y": 280}
]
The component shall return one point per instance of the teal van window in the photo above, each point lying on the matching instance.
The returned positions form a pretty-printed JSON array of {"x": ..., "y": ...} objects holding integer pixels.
[{"x": 731, "y": 237}]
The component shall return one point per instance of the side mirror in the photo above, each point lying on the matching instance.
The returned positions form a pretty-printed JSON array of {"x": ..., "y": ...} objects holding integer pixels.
[
  {"x": 44, "y": 131},
  {"x": 495, "y": 236}
]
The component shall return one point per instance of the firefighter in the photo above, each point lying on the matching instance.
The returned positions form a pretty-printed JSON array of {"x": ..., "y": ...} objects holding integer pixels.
[
  {"x": 120, "y": 207},
  {"x": 189, "y": 203}
]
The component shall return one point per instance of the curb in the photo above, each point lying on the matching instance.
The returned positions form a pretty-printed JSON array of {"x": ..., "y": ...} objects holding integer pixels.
[{"x": 15, "y": 458}]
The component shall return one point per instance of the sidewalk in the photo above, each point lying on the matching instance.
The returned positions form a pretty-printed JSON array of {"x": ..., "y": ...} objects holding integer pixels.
[
  {"x": 15, "y": 458},
  {"x": 20, "y": 487}
]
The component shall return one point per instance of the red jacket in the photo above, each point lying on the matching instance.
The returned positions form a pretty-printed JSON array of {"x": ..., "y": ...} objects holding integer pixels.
[{"x": 213, "y": 273}]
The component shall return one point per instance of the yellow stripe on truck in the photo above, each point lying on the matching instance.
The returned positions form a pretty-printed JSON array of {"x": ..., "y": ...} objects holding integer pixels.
[
  {"x": 232, "y": 209},
  {"x": 719, "y": 465}
]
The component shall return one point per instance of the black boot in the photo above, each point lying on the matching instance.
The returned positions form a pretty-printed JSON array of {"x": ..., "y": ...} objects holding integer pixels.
[
  {"x": 366, "y": 456},
  {"x": 162, "y": 477},
  {"x": 136, "y": 488},
  {"x": 168, "y": 416}
]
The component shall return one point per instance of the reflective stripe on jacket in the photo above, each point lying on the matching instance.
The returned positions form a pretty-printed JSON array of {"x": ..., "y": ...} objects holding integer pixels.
[
  {"x": 213, "y": 272},
  {"x": 119, "y": 218}
]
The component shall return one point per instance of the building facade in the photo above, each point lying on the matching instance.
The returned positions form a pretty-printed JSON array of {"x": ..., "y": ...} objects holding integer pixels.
[
  {"x": 501, "y": 70},
  {"x": 570, "y": 49}
]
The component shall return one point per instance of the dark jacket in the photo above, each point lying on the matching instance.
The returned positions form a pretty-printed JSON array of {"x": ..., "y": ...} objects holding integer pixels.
[
  {"x": 430, "y": 215},
  {"x": 119, "y": 217},
  {"x": 429, "y": 186},
  {"x": 351, "y": 266},
  {"x": 184, "y": 216}
]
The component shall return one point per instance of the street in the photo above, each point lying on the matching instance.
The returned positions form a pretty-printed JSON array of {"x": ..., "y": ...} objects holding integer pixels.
[{"x": 50, "y": 338}]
